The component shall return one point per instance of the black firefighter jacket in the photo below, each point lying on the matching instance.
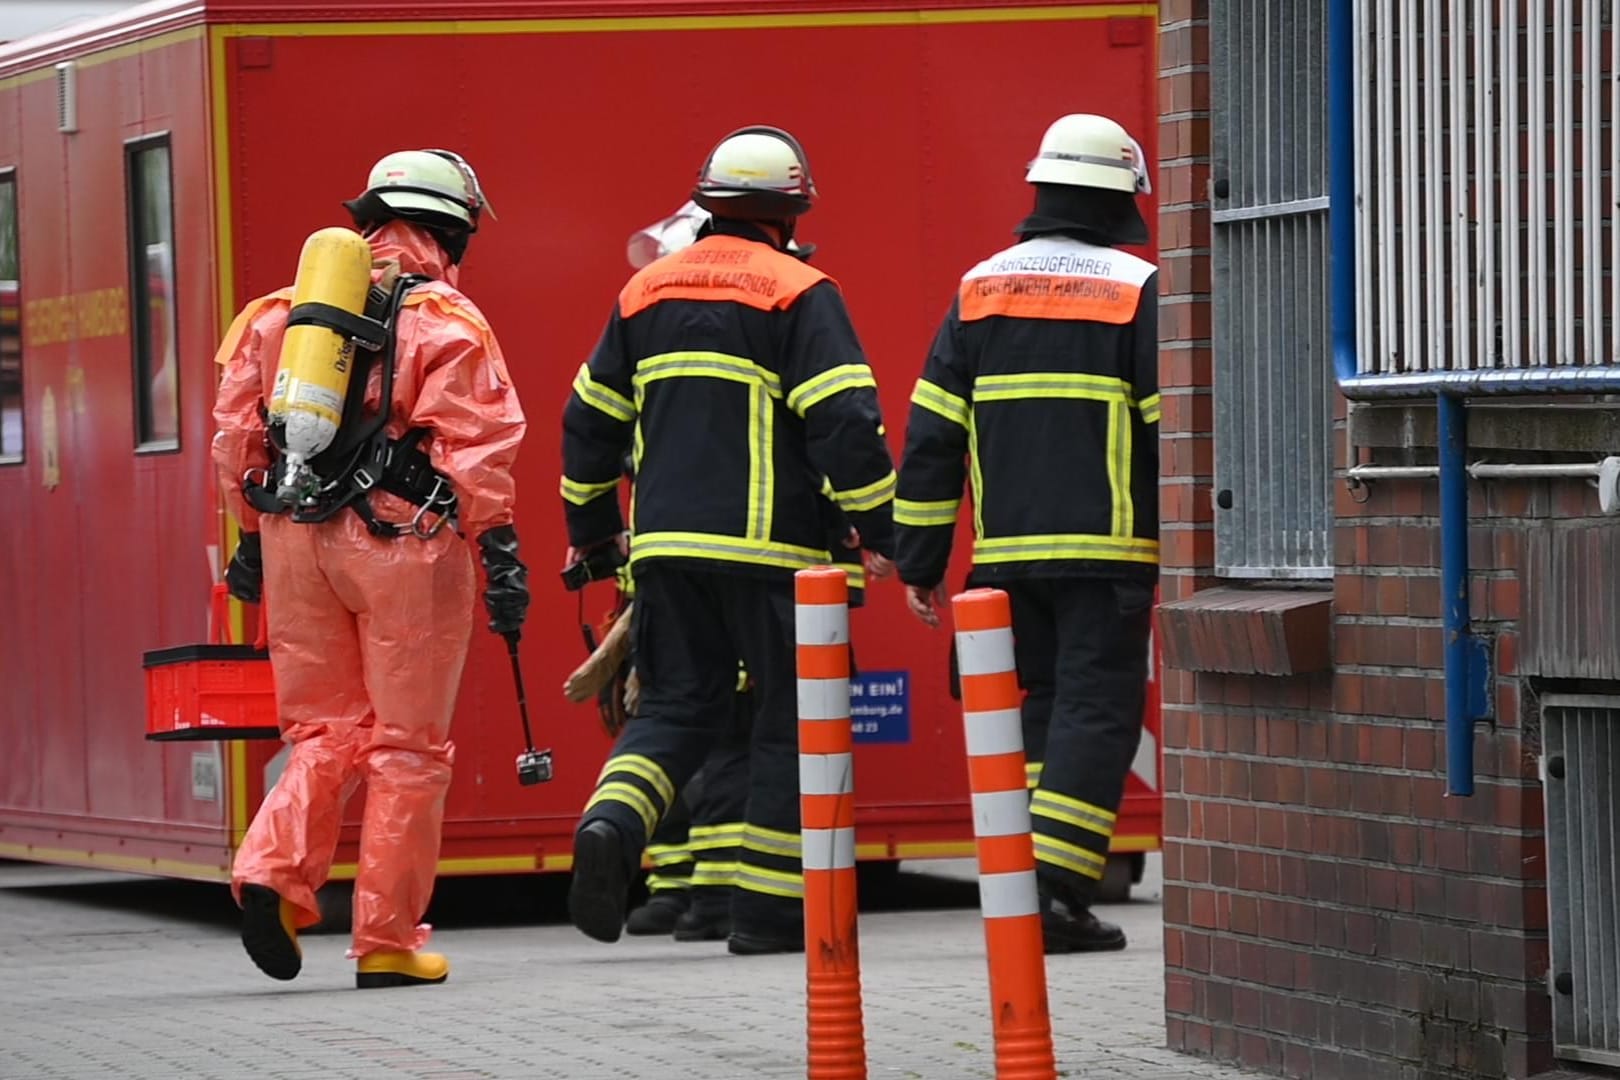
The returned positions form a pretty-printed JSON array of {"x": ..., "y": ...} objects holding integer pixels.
[
  {"x": 732, "y": 370},
  {"x": 1042, "y": 388}
]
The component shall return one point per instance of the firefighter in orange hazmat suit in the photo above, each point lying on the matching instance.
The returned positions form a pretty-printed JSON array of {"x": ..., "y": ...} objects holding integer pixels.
[{"x": 370, "y": 617}]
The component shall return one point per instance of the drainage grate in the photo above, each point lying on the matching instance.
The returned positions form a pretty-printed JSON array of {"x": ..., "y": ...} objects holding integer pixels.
[{"x": 1580, "y": 772}]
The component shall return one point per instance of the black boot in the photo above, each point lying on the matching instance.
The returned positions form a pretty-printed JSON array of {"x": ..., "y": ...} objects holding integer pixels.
[
  {"x": 705, "y": 920},
  {"x": 268, "y": 933},
  {"x": 1069, "y": 927},
  {"x": 601, "y": 884},
  {"x": 764, "y": 943},
  {"x": 659, "y": 915}
]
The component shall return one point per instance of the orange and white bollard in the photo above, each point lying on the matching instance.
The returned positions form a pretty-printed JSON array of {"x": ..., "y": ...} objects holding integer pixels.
[
  {"x": 991, "y": 698},
  {"x": 835, "y": 1032}
]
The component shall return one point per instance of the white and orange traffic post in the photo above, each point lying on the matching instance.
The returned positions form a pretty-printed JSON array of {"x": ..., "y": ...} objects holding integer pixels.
[
  {"x": 834, "y": 1026},
  {"x": 1020, "y": 1015}
]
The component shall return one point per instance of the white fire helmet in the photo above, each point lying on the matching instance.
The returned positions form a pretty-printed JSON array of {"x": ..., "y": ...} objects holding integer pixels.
[
  {"x": 429, "y": 181},
  {"x": 1088, "y": 151},
  {"x": 675, "y": 233},
  {"x": 756, "y": 173}
]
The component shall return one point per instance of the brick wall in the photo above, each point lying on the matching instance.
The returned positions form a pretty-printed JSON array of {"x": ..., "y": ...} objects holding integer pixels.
[{"x": 1328, "y": 911}]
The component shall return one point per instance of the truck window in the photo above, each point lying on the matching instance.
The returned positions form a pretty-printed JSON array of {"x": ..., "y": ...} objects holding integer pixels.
[
  {"x": 152, "y": 294},
  {"x": 11, "y": 345}
]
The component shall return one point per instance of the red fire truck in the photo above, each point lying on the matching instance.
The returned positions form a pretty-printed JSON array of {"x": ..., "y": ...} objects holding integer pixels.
[{"x": 167, "y": 163}]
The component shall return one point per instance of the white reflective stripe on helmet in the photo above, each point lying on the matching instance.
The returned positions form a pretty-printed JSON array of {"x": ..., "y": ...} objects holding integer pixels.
[
  {"x": 1089, "y": 151},
  {"x": 756, "y": 159},
  {"x": 429, "y": 180}
]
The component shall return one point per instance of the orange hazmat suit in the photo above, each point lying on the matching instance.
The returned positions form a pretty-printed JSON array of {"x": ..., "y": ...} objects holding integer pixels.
[{"x": 368, "y": 635}]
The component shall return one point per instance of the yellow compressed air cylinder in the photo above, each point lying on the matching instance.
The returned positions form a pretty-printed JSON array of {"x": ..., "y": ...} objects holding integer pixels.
[{"x": 313, "y": 369}]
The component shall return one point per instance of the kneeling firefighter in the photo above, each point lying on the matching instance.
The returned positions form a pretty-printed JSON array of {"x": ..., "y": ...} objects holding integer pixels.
[{"x": 416, "y": 425}]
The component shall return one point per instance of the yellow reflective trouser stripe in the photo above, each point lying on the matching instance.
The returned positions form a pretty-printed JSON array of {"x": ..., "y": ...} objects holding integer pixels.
[
  {"x": 869, "y": 497},
  {"x": 1149, "y": 407},
  {"x": 627, "y": 795},
  {"x": 601, "y": 397},
  {"x": 834, "y": 380},
  {"x": 770, "y": 882},
  {"x": 669, "y": 854},
  {"x": 657, "y": 882},
  {"x": 580, "y": 493},
  {"x": 1119, "y": 468},
  {"x": 1082, "y": 815},
  {"x": 1069, "y": 856},
  {"x": 1004, "y": 549},
  {"x": 710, "y": 837},
  {"x": 938, "y": 512},
  {"x": 936, "y": 399},
  {"x": 742, "y": 679},
  {"x": 772, "y": 842},
  {"x": 693, "y": 545},
  {"x": 1032, "y": 773},
  {"x": 646, "y": 769},
  {"x": 761, "y": 464},
  {"x": 715, "y": 873},
  {"x": 705, "y": 365}
]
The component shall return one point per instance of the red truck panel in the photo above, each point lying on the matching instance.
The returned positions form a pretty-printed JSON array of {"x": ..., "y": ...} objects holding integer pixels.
[{"x": 918, "y": 125}]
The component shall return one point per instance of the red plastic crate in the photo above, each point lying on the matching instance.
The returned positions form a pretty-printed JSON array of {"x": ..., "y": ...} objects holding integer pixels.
[{"x": 211, "y": 692}]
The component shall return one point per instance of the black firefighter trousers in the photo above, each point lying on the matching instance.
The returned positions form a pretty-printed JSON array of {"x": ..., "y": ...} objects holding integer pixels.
[
  {"x": 697, "y": 845},
  {"x": 1081, "y": 646},
  {"x": 692, "y": 624}
]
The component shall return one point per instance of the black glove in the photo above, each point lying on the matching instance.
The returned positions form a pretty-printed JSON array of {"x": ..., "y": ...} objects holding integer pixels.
[
  {"x": 506, "y": 593},
  {"x": 244, "y": 577}
]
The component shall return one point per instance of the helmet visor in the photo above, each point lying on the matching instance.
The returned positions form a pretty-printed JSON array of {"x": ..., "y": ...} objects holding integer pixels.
[{"x": 480, "y": 201}]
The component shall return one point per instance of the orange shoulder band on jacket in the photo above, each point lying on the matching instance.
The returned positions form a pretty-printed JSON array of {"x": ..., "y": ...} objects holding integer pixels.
[
  {"x": 718, "y": 269},
  {"x": 1049, "y": 296}
]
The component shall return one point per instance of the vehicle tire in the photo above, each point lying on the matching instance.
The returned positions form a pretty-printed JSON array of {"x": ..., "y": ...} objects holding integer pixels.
[{"x": 1121, "y": 874}]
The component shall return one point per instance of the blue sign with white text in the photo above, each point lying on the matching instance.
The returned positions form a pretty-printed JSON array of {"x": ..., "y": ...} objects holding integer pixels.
[{"x": 880, "y": 706}]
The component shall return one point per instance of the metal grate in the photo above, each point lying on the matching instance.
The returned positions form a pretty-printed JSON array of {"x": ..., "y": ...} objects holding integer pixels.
[
  {"x": 1274, "y": 387},
  {"x": 1487, "y": 173},
  {"x": 1581, "y": 778},
  {"x": 67, "y": 96}
]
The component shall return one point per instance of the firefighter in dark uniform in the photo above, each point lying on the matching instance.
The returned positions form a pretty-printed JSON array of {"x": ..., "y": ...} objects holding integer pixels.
[
  {"x": 694, "y": 851},
  {"x": 1042, "y": 387},
  {"x": 733, "y": 370}
]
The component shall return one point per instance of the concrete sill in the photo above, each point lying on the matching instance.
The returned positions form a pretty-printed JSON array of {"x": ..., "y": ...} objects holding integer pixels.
[
  {"x": 1249, "y": 631},
  {"x": 1550, "y": 424}
]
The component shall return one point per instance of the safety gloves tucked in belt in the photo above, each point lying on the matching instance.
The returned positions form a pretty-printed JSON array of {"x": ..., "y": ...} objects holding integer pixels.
[
  {"x": 244, "y": 577},
  {"x": 506, "y": 593}
]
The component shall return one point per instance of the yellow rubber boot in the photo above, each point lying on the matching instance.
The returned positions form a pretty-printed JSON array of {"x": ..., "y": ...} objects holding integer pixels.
[
  {"x": 380, "y": 969},
  {"x": 269, "y": 933}
]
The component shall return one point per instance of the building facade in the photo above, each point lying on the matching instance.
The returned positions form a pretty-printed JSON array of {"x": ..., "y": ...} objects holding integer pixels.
[{"x": 1330, "y": 910}]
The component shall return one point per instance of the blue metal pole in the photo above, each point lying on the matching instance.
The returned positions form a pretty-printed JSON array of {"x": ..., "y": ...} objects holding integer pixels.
[
  {"x": 1453, "y": 423},
  {"x": 1342, "y": 183}
]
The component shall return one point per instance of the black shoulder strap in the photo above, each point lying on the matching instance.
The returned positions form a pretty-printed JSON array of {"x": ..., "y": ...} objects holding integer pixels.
[{"x": 358, "y": 430}]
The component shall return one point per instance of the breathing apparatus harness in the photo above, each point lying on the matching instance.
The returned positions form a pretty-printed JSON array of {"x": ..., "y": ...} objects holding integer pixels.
[{"x": 362, "y": 457}]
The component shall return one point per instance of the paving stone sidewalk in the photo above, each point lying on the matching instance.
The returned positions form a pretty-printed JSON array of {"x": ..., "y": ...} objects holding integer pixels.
[{"x": 111, "y": 976}]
